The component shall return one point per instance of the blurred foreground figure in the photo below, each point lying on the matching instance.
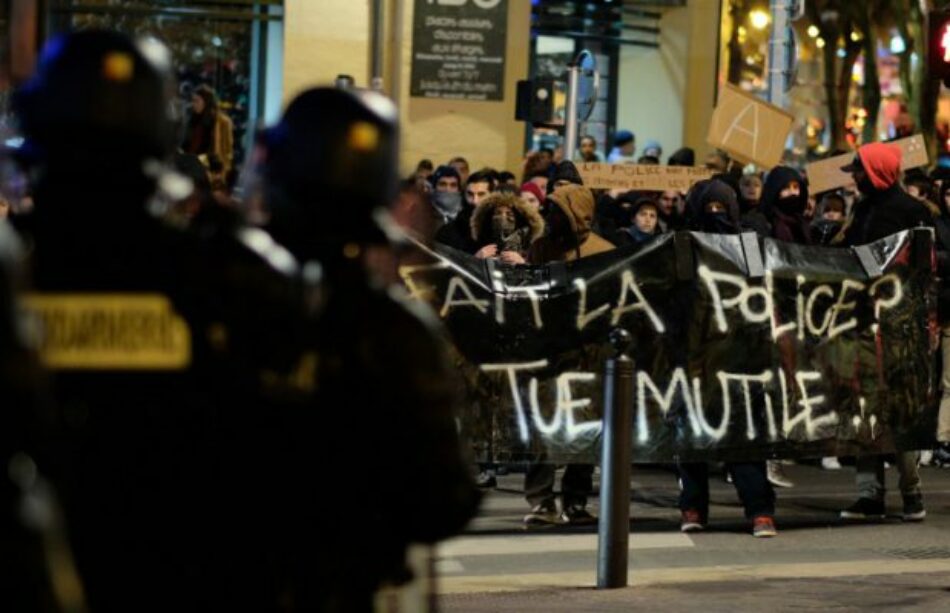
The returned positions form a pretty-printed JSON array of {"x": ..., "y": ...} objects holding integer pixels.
[
  {"x": 174, "y": 356},
  {"x": 387, "y": 399}
]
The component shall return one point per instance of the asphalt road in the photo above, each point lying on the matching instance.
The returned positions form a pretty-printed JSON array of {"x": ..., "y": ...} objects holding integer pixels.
[{"x": 817, "y": 561}]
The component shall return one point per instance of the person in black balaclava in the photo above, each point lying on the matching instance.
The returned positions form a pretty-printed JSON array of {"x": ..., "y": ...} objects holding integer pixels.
[
  {"x": 712, "y": 207},
  {"x": 784, "y": 200}
]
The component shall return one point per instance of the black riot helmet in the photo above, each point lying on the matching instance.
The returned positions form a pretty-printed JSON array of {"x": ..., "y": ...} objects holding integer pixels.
[
  {"x": 96, "y": 95},
  {"x": 330, "y": 169}
]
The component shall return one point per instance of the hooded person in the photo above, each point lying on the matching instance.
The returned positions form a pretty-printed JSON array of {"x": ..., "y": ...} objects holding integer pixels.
[
  {"x": 644, "y": 224},
  {"x": 653, "y": 149},
  {"x": 784, "y": 200},
  {"x": 568, "y": 216},
  {"x": 885, "y": 208},
  {"x": 446, "y": 192},
  {"x": 564, "y": 173},
  {"x": 829, "y": 220},
  {"x": 508, "y": 224},
  {"x": 712, "y": 207}
]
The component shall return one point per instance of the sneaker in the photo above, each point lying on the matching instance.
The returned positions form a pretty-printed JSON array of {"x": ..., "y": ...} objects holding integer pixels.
[
  {"x": 577, "y": 516},
  {"x": 914, "y": 508},
  {"x": 926, "y": 457},
  {"x": 864, "y": 508},
  {"x": 691, "y": 520},
  {"x": 486, "y": 480},
  {"x": 542, "y": 516},
  {"x": 777, "y": 474},
  {"x": 830, "y": 463},
  {"x": 942, "y": 455},
  {"x": 763, "y": 526}
]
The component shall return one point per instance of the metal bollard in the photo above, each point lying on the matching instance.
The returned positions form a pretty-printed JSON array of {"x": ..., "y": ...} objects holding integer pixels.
[{"x": 613, "y": 530}]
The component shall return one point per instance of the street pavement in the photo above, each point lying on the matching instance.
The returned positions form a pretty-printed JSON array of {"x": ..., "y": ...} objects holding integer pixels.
[{"x": 816, "y": 562}]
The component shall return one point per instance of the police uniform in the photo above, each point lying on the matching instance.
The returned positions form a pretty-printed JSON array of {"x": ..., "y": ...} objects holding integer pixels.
[{"x": 175, "y": 356}]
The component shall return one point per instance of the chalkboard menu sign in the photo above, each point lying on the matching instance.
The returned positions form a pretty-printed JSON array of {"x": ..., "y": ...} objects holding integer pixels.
[{"x": 458, "y": 49}]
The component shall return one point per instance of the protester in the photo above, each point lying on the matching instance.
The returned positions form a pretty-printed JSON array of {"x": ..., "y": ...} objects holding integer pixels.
[
  {"x": 712, "y": 207},
  {"x": 568, "y": 215},
  {"x": 625, "y": 145},
  {"x": 683, "y": 157},
  {"x": 784, "y": 200},
  {"x": 587, "y": 150},
  {"x": 653, "y": 149},
  {"x": 942, "y": 226},
  {"x": 532, "y": 195},
  {"x": 671, "y": 210},
  {"x": 504, "y": 227},
  {"x": 564, "y": 173},
  {"x": 884, "y": 209},
  {"x": 461, "y": 165},
  {"x": 457, "y": 233},
  {"x": 537, "y": 169},
  {"x": 645, "y": 226},
  {"x": 507, "y": 178},
  {"x": 830, "y": 219},
  {"x": 209, "y": 133},
  {"x": 424, "y": 169},
  {"x": 718, "y": 161},
  {"x": 446, "y": 193},
  {"x": 648, "y": 160}
]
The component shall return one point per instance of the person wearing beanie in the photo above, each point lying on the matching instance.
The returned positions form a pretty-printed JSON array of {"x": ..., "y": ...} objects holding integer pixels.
[
  {"x": 644, "y": 223},
  {"x": 446, "y": 193},
  {"x": 884, "y": 209},
  {"x": 653, "y": 149},
  {"x": 625, "y": 145},
  {"x": 532, "y": 194}
]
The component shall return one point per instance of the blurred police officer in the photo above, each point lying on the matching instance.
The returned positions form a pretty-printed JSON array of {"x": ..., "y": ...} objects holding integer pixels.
[
  {"x": 387, "y": 398},
  {"x": 174, "y": 356}
]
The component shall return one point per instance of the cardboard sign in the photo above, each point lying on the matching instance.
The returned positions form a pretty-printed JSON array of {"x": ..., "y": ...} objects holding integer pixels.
[
  {"x": 641, "y": 177},
  {"x": 110, "y": 332},
  {"x": 826, "y": 175},
  {"x": 748, "y": 128}
]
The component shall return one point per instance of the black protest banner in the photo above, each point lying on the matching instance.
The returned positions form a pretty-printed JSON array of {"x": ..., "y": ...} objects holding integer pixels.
[{"x": 744, "y": 348}]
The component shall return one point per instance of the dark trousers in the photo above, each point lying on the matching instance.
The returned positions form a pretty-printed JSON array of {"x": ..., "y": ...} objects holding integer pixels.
[
  {"x": 576, "y": 484},
  {"x": 749, "y": 478}
]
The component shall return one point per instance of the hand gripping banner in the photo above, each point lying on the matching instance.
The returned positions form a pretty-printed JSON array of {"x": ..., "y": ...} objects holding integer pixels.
[{"x": 744, "y": 348}]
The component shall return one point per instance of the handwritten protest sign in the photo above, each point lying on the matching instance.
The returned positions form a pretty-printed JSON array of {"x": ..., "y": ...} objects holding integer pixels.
[
  {"x": 748, "y": 128},
  {"x": 649, "y": 177},
  {"x": 827, "y": 174}
]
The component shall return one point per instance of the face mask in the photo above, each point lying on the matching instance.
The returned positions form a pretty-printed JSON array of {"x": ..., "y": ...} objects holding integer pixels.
[
  {"x": 718, "y": 223},
  {"x": 447, "y": 203},
  {"x": 502, "y": 227},
  {"x": 790, "y": 205}
]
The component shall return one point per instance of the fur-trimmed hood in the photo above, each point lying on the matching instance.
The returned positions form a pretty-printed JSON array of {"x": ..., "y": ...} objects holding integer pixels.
[{"x": 525, "y": 214}]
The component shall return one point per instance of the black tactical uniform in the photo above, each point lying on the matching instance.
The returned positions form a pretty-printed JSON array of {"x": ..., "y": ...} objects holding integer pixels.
[
  {"x": 386, "y": 395},
  {"x": 175, "y": 356}
]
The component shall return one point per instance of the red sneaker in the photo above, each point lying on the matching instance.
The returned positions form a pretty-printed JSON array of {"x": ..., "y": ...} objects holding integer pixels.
[
  {"x": 763, "y": 526},
  {"x": 692, "y": 521}
]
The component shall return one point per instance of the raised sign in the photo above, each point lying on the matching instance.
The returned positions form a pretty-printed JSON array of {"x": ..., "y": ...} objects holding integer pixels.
[
  {"x": 749, "y": 129},
  {"x": 826, "y": 175},
  {"x": 641, "y": 176}
]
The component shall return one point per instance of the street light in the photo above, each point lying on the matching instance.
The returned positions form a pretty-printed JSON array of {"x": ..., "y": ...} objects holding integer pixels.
[
  {"x": 759, "y": 19},
  {"x": 813, "y": 31}
]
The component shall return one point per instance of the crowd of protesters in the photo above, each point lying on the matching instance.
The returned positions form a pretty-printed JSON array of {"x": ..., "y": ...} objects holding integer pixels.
[{"x": 552, "y": 216}]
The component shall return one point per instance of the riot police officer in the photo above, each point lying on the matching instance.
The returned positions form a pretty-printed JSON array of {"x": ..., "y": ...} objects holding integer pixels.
[
  {"x": 387, "y": 398},
  {"x": 175, "y": 356}
]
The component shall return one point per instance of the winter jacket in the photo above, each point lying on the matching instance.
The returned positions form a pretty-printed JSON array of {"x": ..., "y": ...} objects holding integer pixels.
[
  {"x": 576, "y": 204},
  {"x": 529, "y": 225},
  {"x": 457, "y": 233},
  {"x": 885, "y": 212}
]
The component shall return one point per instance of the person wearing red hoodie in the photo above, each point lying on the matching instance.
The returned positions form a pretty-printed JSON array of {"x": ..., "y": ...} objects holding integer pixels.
[{"x": 884, "y": 209}]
